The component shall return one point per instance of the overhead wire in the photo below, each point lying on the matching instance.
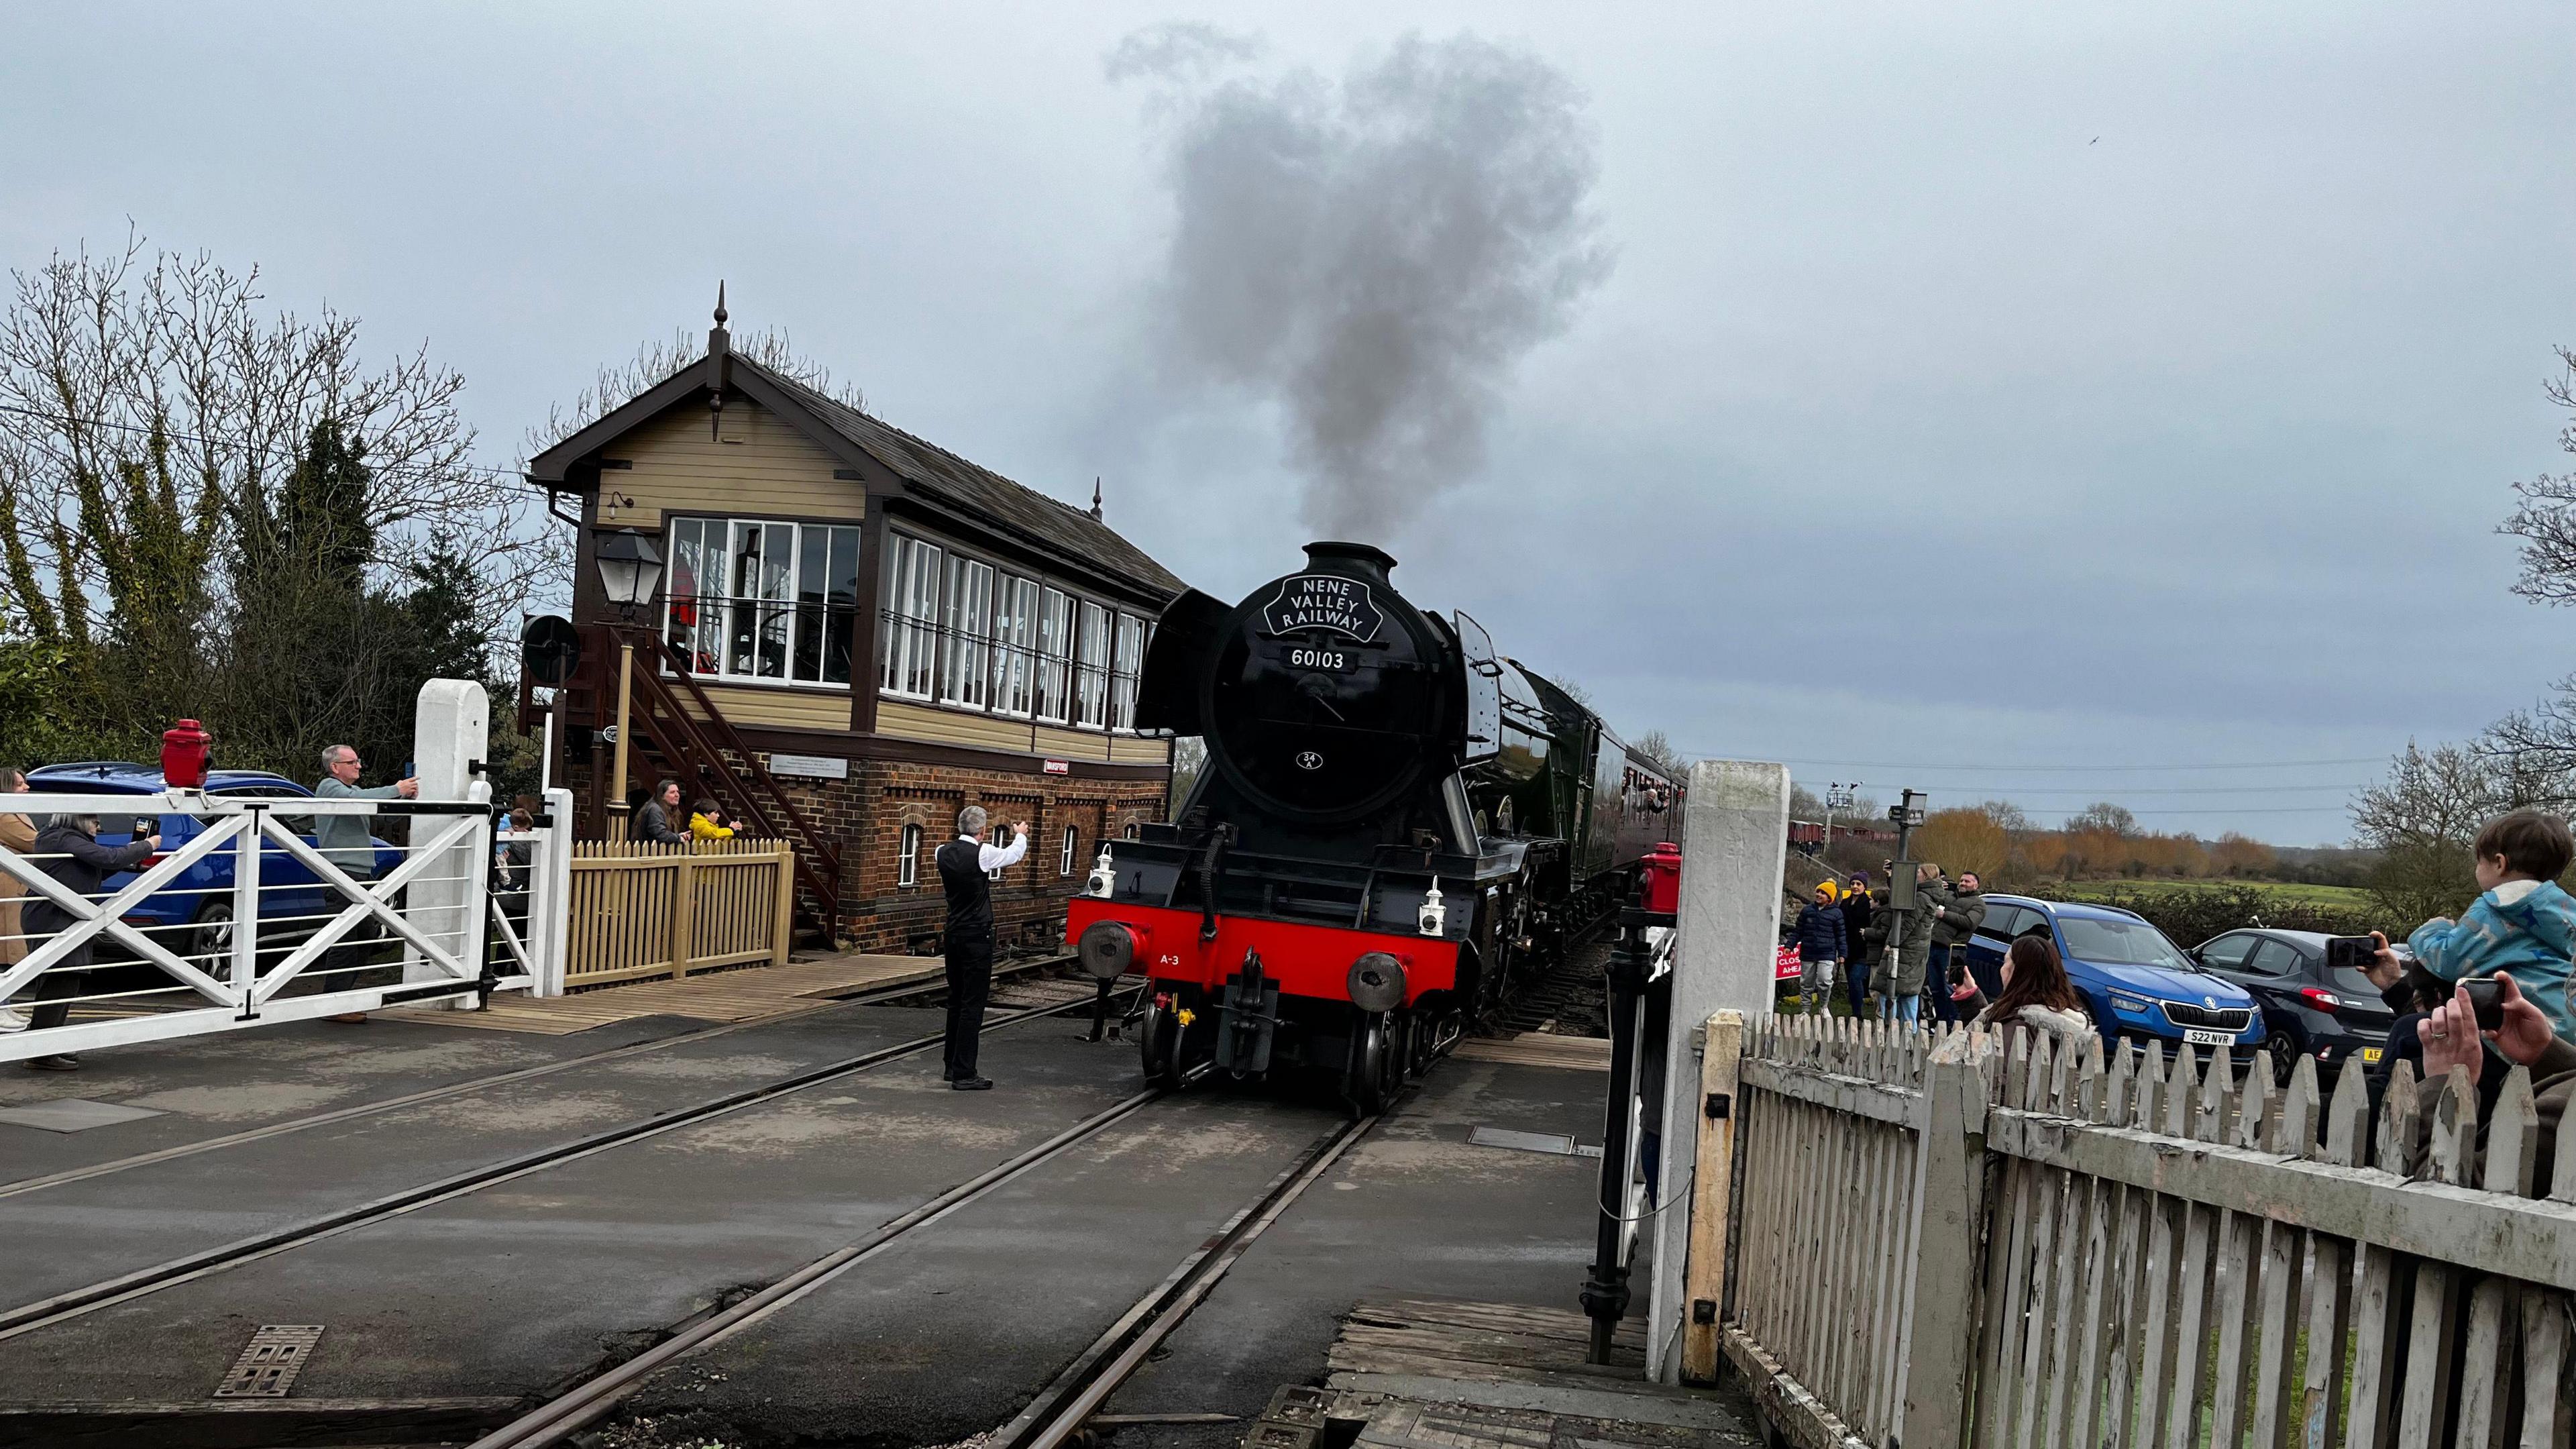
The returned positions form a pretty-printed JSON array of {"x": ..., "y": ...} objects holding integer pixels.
[{"x": 510, "y": 476}]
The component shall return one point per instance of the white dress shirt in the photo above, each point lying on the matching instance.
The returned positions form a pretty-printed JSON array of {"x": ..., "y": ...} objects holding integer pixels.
[{"x": 990, "y": 858}]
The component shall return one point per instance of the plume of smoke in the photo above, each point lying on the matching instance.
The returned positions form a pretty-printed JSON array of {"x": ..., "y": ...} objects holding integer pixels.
[{"x": 1374, "y": 255}]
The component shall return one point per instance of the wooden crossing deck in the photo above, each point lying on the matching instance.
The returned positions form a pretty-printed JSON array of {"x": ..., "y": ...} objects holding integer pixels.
[
  {"x": 1418, "y": 1373},
  {"x": 710, "y": 996},
  {"x": 1540, "y": 1049}
]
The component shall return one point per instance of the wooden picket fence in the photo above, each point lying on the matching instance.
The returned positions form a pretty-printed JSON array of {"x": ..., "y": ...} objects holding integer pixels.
[
  {"x": 642, "y": 910},
  {"x": 1936, "y": 1243}
]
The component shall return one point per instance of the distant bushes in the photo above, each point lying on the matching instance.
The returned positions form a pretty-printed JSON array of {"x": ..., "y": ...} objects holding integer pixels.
[{"x": 2194, "y": 915}]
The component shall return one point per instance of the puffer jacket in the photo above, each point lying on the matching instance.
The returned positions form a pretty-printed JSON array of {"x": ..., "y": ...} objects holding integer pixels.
[
  {"x": 81, "y": 865},
  {"x": 2068, "y": 1030},
  {"x": 1819, "y": 933},
  {"x": 1960, "y": 918},
  {"x": 2522, "y": 929},
  {"x": 1909, "y": 934}
]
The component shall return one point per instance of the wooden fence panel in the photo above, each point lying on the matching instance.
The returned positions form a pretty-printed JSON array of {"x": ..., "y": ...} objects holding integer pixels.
[
  {"x": 1953, "y": 1239},
  {"x": 641, "y": 910}
]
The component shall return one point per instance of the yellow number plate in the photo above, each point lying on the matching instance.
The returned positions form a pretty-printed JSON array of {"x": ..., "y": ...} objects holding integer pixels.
[{"x": 2370, "y": 1054}]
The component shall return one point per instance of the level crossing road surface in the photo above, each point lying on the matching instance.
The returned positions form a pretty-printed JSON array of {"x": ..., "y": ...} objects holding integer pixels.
[{"x": 525, "y": 1286}]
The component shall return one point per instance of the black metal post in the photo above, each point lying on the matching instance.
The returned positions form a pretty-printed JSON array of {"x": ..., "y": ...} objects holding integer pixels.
[
  {"x": 1605, "y": 1295},
  {"x": 1100, "y": 1011}
]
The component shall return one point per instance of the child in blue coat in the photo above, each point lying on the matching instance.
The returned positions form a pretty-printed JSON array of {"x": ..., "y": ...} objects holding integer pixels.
[
  {"x": 1821, "y": 943},
  {"x": 2522, "y": 925}
]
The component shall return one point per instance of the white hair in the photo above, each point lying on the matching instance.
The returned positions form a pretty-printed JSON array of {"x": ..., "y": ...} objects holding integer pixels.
[
  {"x": 331, "y": 754},
  {"x": 970, "y": 821}
]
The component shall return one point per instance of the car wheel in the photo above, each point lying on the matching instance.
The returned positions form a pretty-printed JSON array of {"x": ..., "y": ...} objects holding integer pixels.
[
  {"x": 210, "y": 940},
  {"x": 2285, "y": 1055}
]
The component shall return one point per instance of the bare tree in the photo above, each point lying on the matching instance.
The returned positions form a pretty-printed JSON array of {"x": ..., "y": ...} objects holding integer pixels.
[
  {"x": 2106, "y": 816},
  {"x": 150, "y": 409},
  {"x": 2421, "y": 820},
  {"x": 1657, "y": 750},
  {"x": 2544, "y": 518},
  {"x": 653, "y": 362}
]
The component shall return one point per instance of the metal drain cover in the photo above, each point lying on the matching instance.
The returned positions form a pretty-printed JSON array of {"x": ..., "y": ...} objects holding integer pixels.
[{"x": 267, "y": 1369}]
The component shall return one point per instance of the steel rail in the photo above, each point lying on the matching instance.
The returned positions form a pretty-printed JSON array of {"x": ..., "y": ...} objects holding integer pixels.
[
  {"x": 76, "y": 1302},
  {"x": 1064, "y": 1404},
  {"x": 1060, "y": 1409},
  {"x": 870, "y": 997},
  {"x": 593, "y": 1399}
]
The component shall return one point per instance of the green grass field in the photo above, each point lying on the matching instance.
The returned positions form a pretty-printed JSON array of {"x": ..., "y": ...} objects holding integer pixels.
[{"x": 2349, "y": 897}]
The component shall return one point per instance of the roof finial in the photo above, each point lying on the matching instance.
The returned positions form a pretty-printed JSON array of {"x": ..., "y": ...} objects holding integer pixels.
[
  {"x": 1095, "y": 495},
  {"x": 720, "y": 350}
]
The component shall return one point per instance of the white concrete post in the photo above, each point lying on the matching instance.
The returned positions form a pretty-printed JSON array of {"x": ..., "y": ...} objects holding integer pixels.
[
  {"x": 550, "y": 896},
  {"x": 451, "y": 733},
  {"x": 1735, "y": 845}
]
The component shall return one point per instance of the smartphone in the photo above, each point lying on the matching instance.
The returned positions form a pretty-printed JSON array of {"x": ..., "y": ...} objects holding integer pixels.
[
  {"x": 2358, "y": 952},
  {"x": 2486, "y": 996}
]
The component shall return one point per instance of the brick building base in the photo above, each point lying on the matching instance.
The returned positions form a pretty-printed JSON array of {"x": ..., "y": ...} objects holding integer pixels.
[{"x": 883, "y": 804}]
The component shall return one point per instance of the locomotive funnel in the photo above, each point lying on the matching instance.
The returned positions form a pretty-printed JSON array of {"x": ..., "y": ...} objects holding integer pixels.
[{"x": 1365, "y": 560}]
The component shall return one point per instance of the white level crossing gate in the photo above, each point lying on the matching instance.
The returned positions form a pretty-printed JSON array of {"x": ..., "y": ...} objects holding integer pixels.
[{"x": 240, "y": 919}]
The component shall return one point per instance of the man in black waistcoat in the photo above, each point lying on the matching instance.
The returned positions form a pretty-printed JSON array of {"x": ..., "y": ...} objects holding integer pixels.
[{"x": 965, "y": 873}]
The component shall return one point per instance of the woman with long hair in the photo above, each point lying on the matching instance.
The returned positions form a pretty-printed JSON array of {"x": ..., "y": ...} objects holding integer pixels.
[{"x": 2036, "y": 995}]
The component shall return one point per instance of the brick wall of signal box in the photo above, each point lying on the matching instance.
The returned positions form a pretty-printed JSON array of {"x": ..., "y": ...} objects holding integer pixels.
[{"x": 868, "y": 811}]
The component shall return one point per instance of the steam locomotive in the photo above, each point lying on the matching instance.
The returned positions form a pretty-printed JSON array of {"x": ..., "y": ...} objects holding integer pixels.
[{"x": 1394, "y": 829}]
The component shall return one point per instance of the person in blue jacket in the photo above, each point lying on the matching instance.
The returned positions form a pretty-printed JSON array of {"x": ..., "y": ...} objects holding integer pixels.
[
  {"x": 2521, "y": 925},
  {"x": 1821, "y": 943}
]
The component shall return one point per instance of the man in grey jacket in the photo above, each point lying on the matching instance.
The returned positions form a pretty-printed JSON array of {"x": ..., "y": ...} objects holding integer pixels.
[{"x": 347, "y": 843}]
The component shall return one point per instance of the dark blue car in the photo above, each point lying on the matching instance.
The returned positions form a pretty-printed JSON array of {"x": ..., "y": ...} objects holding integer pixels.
[
  {"x": 193, "y": 915},
  {"x": 2136, "y": 983}
]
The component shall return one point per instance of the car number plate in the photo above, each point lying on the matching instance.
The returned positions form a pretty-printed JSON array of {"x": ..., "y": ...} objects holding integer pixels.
[
  {"x": 2200, "y": 1037},
  {"x": 2371, "y": 1055},
  {"x": 1337, "y": 661}
]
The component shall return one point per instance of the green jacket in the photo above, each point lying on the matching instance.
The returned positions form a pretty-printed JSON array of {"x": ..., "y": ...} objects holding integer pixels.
[
  {"x": 1966, "y": 912},
  {"x": 1909, "y": 933}
]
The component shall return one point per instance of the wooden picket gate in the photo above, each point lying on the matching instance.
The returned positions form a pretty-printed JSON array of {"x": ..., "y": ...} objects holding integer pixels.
[
  {"x": 1937, "y": 1244},
  {"x": 642, "y": 910}
]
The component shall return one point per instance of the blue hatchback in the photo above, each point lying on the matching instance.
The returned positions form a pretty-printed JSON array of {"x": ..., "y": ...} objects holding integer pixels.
[
  {"x": 2136, "y": 983},
  {"x": 193, "y": 914}
]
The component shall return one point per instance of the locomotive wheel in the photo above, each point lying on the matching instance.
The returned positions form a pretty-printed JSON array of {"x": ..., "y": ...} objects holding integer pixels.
[
  {"x": 1158, "y": 1040},
  {"x": 1364, "y": 1079}
]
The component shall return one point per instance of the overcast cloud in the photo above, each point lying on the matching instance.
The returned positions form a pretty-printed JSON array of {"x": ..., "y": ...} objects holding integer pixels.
[{"x": 2013, "y": 385}]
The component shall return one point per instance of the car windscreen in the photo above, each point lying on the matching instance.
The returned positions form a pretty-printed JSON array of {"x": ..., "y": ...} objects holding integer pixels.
[{"x": 2121, "y": 943}]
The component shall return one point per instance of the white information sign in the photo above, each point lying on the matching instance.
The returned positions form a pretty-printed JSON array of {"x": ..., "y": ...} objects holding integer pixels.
[{"x": 811, "y": 767}]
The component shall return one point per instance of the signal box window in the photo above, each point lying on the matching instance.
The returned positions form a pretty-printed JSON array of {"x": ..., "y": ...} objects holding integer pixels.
[
  {"x": 1055, "y": 657},
  {"x": 1071, "y": 839},
  {"x": 753, "y": 599},
  {"x": 1091, "y": 669},
  {"x": 912, "y": 617},
  {"x": 907, "y": 865}
]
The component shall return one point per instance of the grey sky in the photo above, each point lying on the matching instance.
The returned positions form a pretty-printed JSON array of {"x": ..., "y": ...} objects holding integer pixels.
[{"x": 2193, "y": 438}]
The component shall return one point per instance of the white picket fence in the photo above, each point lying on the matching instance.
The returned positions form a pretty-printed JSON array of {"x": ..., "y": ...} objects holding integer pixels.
[{"x": 1936, "y": 1243}]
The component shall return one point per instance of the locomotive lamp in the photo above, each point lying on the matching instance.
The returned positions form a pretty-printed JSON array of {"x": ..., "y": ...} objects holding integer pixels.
[
  {"x": 1434, "y": 914},
  {"x": 1103, "y": 879}
]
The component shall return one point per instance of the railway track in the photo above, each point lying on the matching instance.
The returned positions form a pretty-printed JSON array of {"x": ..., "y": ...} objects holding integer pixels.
[
  {"x": 73, "y": 1303},
  {"x": 1061, "y": 1408},
  {"x": 876, "y": 996}
]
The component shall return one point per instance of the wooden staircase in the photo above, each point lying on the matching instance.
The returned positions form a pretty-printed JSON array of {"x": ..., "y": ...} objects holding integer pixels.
[{"x": 679, "y": 728}]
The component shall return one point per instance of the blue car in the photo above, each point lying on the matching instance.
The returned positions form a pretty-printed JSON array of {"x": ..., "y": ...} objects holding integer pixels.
[
  {"x": 2136, "y": 983},
  {"x": 193, "y": 915}
]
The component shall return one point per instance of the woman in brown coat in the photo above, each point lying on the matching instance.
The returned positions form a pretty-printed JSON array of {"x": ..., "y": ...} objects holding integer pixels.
[{"x": 18, "y": 836}]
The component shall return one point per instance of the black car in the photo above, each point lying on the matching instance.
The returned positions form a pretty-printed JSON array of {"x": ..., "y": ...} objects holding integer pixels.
[{"x": 2308, "y": 1008}]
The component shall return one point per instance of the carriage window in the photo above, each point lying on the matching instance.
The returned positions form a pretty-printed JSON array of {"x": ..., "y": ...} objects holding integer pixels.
[{"x": 907, "y": 864}]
